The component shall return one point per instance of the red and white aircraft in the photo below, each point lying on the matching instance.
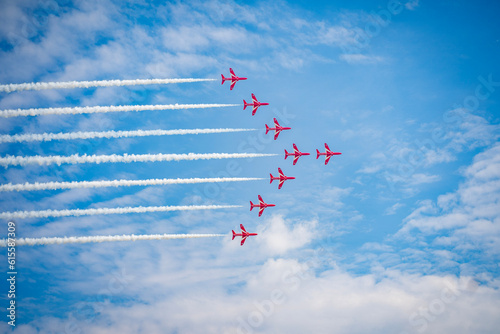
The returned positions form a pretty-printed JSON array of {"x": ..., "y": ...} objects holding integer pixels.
[
  {"x": 296, "y": 153},
  {"x": 328, "y": 154},
  {"x": 261, "y": 205},
  {"x": 282, "y": 178},
  {"x": 256, "y": 104},
  {"x": 244, "y": 234},
  {"x": 277, "y": 129},
  {"x": 233, "y": 78}
]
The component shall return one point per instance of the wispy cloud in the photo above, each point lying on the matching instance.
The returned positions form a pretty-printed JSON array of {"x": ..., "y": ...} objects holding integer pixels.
[
  {"x": 469, "y": 216},
  {"x": 412, "y": 5},
  {"x": 393, "y": 209},
  {"x": 360, "y": 59},
  {"x": 278, "y": 237}
]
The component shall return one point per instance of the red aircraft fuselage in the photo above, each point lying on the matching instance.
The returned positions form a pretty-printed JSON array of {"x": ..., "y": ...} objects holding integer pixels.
[
  {"x": 244, "y": 234},
  {"x": 233, "y": 79},
  {"x": 296, "y": 154},
  {"x": 255, "y": 104},
  {"x": 262, "y": 205},
  {"x": 282, "y": 178},
  {"x": 277, "y": 129},
  {"x": 328, "y": 154}
]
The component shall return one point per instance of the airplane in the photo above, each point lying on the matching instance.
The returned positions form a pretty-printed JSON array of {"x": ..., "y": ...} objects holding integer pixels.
[
  {"x": 282, "y": 178},
  {"x": 296, "y": 153},
  {"x": 256, "y": 104},
  {"x": 233, "y": 78},
  {"x": 277, "y": 128},
  {"x": 261, "y": 205},
  {"x": 328, "y": 154},
  {"x": 244, "y": 234}
]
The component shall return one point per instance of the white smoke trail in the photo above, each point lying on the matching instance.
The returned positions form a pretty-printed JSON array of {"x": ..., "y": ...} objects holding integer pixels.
[
  {"x": 108, "y": 211},
  {"x": 110, "y": 134},
  {"x": 104, "y": 109},
  {"x": 87, "y": 84},
  {"x": 116, "y": 183},
  {"x": 97, "y": 159},
  {"x": 103, "y": 238}
]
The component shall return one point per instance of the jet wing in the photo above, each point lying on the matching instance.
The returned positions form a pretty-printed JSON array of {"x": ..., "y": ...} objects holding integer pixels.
[
  {"x": 261, "y": 201},
  {"x": 295, "y": 148},
  {"x": 276, "y": 134},
  {"x": 281, "y": 172},
  {"x": 276, "y": 124},
  {"x": 254, "y": 99},
  {"x": 232, "y": 84},
  {"x": 327, "y": 159},
  {"x": 232, "y": 72},
  {"x": 242, "y": 228},
  {"x": 243, "y": 239},
  {"x": 281, "y": 184},
  {"x": 327, "y": 148},
  {"x": 261, "y": 210},
  {"x": 254, "y": 110},
  {"x": 295, "y": 159}
]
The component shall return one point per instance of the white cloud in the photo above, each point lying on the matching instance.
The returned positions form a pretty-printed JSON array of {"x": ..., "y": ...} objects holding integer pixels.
[
  {"x": 277, "y": 238},
  {"x": 416, "y": 179},
  {"x": 412, "y": 5},
  {"x": 472, "y": 131},
  {"x": 286, "y": 296},
  {"x": 336, "y": 35},
  {"x": 378, "y": 247},
  {"x": 471, "y": 215},
  {"x": 370, "y": 169},
  {"x": 393, "y": 209},
  {"x": 360, "y": 59}
]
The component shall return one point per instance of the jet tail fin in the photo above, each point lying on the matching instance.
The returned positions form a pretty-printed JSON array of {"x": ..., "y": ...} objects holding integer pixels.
[
  {"x": 223, "y": 79},
  {"x": 244, "y": 104},
  {"x": 251, "y": 205},
  {"x": 286, "y": 154},
  {"x": 317, "y": 153},
  {"x": 234, "y": 234},
  {"x": 267, "y": 129},
  {"x": 271, "y": 178}
]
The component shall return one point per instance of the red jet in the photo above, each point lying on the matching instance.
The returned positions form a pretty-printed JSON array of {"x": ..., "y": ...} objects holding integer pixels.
[
  {"x": 244, "y": 234},
  {"x": 296, "y": 153},
  {"x": 261, "y": 205},
  {"x": 328, "y": 154},
  {"x": 282, "y": 178},
  {"x": 277, "y": 129},
  {"x": 233, "y": 78},
  {"x": 256, "y": 104}
]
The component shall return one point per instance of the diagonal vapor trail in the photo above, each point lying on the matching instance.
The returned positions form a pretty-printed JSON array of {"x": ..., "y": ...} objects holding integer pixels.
[
  {"x": 96, "y": 83},
  {"x": 104, "y": 109},
  {"x": 103, "y": 238},
  {"x": 108, "y": 211},
  {"x": 114, "y": 158},
  {"x": 109, "y": 134},
  {"x": 116, "y": 183}
]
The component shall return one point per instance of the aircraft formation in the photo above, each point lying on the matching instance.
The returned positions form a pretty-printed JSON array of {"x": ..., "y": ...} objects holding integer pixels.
[{"x": 296, "y": 154}]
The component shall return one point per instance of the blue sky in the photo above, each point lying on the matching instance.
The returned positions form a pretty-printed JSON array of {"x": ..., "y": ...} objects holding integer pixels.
[{"x": 399, "y": 234}]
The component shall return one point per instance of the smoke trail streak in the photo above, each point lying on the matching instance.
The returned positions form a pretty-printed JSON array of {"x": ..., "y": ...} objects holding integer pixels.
[
  {"x": 116, "y": 183},
  {"x": 109, "y": 134},
  {"x": 103, "y": 238},
  {"x": 87, "y": 84},
  {"x": 97, "y": 159},
  {"x": 108, "y": 211},
  {"x": 104, "y": 109}
]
